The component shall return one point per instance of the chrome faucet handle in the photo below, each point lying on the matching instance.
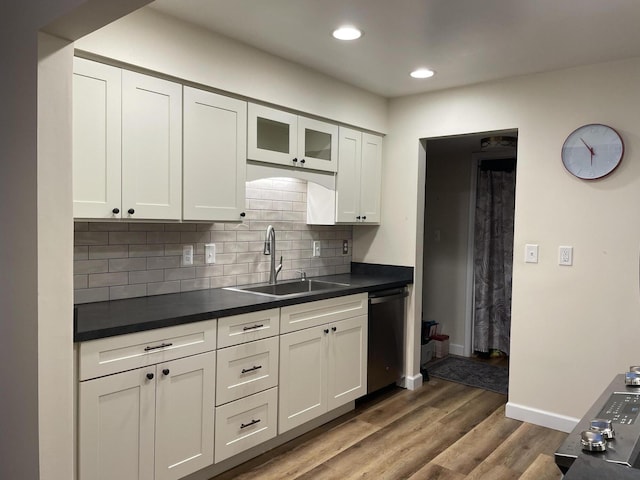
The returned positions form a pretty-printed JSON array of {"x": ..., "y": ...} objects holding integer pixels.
[{"x": 303, "y": 274}]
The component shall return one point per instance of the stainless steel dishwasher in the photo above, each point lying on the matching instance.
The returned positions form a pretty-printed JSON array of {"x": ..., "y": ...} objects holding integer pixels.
[{"x": 386, "y": 337}]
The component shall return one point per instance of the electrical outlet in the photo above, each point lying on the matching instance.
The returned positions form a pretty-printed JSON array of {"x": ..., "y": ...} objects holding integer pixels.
[
  {"x": 316, "y": 248},
  {"x": 187, "y": 255},
  {"x": 565, "y": 256},
  {"x": 345, "y": 247},
  {"x": 210, "y": 253}
]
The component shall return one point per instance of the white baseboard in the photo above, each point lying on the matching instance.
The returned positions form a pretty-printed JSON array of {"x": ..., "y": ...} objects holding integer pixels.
[
  {"x": 455, "y": 349},
  {"x": 541, "y": 417},
  {"x": 411, "y": 383}
]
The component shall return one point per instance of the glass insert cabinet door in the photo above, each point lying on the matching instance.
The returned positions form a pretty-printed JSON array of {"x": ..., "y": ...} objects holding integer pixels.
[{"x": 283, "y": 138}]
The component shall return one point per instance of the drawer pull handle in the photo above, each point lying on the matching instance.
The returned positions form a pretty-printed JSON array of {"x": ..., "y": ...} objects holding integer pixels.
[
  {"x": 245, "y": 370},
  {"x": 163, "y": 345},
  {"x": 252, "y": 422},
  {"x": 252, "y": 328}
]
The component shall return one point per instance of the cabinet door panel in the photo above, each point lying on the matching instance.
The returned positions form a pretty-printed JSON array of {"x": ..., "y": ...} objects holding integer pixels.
[
  {"x": 271, "y": 135},
  {"x": 348, "y": 178},
  {"x": 116, "y": 426},
  {"x": 347, "y": 361},
  {"x": 371, "y": 178},
  {"x": 303, "y": 377},
  {"x": 97, "y": 116},
  {"x": 184, "y": 415},
  {"x": 317, "y": 144},
  {"x": 215, "y": 152},
  {"x": 151, "y": 147}
]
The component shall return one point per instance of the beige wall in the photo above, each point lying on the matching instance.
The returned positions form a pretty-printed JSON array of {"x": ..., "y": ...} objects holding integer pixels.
[
  {"x": 160, "y": 43},
  {"x": 559, "y": 313},
  {"x": 35, "y": 308}
]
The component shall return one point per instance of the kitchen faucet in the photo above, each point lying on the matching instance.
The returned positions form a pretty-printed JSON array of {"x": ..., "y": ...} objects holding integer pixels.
[{"x": 270, "y": 249}]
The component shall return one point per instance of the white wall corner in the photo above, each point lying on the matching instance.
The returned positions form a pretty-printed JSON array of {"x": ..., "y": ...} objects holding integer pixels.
[
  {"x": 456, "y": 349},
  {"x": 411, "y": 382},
  {"x": 543, "y": 418}
]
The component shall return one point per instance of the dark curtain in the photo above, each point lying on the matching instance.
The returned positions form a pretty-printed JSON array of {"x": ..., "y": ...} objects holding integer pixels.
[{"x": 493, "y": 252}]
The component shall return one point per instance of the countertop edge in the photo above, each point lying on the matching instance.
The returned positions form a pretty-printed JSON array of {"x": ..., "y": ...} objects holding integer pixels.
[{"x": 104, "y": 312}]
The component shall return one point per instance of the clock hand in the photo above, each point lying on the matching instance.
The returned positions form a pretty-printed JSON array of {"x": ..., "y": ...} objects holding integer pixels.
[{"x": 590, "y": 149}]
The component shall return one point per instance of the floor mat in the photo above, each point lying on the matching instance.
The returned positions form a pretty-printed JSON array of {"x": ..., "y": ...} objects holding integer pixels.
[{"x": 471, "y": 373}]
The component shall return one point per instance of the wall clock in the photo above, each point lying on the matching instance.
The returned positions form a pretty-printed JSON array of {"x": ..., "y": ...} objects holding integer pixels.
[{"x": 592, "y": 151}]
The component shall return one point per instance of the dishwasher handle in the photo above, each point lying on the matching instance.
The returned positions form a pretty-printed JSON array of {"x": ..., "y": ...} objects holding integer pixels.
[{"x": 389, "y": 296}]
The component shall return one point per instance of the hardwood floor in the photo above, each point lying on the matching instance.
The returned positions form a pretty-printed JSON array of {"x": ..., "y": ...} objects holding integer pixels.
[{"x": 443, "y": 431}]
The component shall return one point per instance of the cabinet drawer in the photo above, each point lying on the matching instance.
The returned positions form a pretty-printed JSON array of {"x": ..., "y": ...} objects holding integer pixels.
[
  {"x": 248, "y": 327},
  {"x": 245, "y": 423},
  {"x": 125, "y": 352},
  {"x": 246, "y": 369},
  {"x": 312, "y": 314}
]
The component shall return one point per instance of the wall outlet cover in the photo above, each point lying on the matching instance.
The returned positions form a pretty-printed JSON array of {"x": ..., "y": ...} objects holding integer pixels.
[
  {"x": 210, "y": 253},
  {"x": 345, "y": 247}
]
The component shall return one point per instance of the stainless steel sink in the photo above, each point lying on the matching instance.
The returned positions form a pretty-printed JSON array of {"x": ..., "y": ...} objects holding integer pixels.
[{"x": 288, "y": 289}]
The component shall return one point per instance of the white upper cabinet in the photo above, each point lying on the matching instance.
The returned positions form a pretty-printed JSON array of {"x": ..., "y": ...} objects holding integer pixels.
[
  {"x": 151, "y": 147},
  {"x": 358, "y": 181},
  {"x": 127, "y": 144},
  {"x": 214, "y": 158},
  {"x": 283, "y": 138},
  {"x": 97, "y": 141}
]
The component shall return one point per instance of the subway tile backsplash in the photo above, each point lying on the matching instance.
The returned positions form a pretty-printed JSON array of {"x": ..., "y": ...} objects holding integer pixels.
[{"x": 115, "y": 260}]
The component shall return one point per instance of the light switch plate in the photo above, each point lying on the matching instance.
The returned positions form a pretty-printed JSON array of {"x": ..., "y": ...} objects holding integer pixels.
[
  {"x": 316, "y": 248},
  {"x": 531, "y": 253}
]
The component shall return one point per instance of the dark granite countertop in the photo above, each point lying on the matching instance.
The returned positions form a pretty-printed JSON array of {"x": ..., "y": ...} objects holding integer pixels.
[{"x": 118, "y": 317}]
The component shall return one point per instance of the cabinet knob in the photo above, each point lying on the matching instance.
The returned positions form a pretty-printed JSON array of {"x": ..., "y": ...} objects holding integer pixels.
[
  {"x": 131, "y": 211},
  {"x": 116, "y": 211},
  {"x": 165, "y": 371},
  {"x": 333, "y": 329},
  {"x": 358, "y": 217},
  {"x": 150, "y": 376},
  {"x": 364, "y": 217},
  {"x": 243, "y": 214},
  {"x": 295, "y": 160},
  {"x": 326, "y": 330},
  {"x": 302, "y": 161}
]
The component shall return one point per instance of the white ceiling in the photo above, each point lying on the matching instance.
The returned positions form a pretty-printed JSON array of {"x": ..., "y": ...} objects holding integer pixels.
[{"x": 464, "y": 41}]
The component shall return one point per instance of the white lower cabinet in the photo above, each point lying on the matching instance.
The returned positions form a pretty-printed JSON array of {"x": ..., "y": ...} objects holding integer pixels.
[
  {"x": 321, "y": 368},
  {"x": 153, "y": 422},
  {"x": 246, "y": 423},
  {"x": 163, "y": 404}
]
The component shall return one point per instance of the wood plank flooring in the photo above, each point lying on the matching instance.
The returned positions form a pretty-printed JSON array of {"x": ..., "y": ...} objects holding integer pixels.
[{"x": 443, "y": 431}]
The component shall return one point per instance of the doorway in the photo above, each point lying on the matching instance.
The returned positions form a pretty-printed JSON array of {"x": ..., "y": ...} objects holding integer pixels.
[{"x": 449, "y": 260}]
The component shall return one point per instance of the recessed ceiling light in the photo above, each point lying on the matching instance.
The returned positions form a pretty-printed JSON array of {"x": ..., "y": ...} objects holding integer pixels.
[
  {"x": 347, "y": 32},
  {"x": 422, "y": 73}
]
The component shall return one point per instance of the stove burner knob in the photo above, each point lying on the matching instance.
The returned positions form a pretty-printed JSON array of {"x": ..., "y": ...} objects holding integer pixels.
[
  {"x": 632, "y": 379},
  {"x": 593, "y": 441},
  {"x": 603, "y": 426}
]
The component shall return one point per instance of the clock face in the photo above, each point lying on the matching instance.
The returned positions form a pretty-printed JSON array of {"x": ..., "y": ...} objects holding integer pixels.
[{"x": 592, "y": 151}]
